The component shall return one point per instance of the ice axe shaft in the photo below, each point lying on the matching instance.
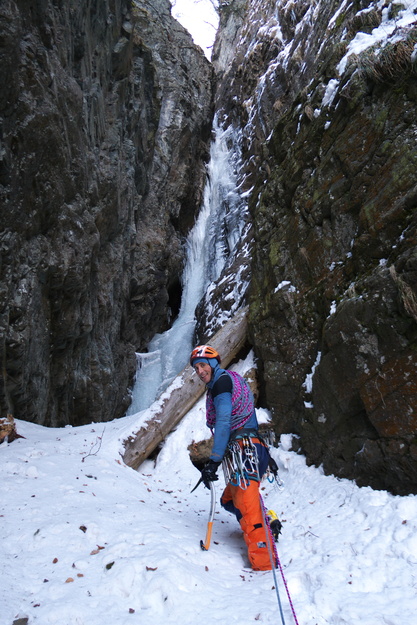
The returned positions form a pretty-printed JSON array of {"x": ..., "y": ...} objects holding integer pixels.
[{"x": 205, "y": 545}]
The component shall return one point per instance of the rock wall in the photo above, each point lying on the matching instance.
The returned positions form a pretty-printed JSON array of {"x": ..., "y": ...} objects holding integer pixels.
[
  {"x": 329, "y": 145},
  {"x": 105, "y": 112}
]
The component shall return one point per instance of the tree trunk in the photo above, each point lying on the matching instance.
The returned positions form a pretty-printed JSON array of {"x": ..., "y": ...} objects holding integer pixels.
[{"x": 182, "y": 394}]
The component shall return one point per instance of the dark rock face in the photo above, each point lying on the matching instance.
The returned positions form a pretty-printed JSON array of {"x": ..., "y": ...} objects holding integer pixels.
[
  {"x": 105, "y": 115},
  {"x": 331, "y": 150},
  {"x": 106, "y": 112}
]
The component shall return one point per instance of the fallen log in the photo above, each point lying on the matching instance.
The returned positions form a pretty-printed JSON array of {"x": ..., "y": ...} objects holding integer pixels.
[{"x": 182, "y": 394}]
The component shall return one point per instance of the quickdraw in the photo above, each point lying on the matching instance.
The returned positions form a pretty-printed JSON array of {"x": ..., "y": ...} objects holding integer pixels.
[{"x": 240, "y": 464}]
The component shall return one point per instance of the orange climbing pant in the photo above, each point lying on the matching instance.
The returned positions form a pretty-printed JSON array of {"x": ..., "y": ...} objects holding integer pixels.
[{"x": 246, "y": 505}]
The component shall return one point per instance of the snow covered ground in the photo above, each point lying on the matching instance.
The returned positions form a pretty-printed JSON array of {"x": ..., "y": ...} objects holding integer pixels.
[{"x": 88, "y": 541}]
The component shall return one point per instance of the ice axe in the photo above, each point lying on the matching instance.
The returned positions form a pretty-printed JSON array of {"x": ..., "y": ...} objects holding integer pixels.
[
  {"x": 205, "y": 545},
  {"x": 198, "y": 484}
]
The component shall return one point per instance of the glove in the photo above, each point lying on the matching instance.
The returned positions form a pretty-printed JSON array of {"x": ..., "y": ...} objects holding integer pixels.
[
  {"x": 275, "y": 524},
  {"x": 273, "y": 467},
  {"x": 208, "y": 472},
  {"x": 276, "y": 527}
]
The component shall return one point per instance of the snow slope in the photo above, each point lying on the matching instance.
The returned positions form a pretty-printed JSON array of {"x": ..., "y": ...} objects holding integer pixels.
[{"x": 88, "y": 541}]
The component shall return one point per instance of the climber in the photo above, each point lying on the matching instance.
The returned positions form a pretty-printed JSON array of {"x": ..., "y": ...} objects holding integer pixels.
[{"x": 230, "y": 414}]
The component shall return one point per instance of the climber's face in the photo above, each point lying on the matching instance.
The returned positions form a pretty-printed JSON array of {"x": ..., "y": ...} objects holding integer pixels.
[{"x": 204, "y": 371}]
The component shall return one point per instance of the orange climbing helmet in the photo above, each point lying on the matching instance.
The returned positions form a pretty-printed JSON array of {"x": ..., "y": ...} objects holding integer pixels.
[{"x": 204, "y": 351}]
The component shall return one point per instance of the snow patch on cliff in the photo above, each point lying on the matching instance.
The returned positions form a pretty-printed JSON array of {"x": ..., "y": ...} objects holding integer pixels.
[{"x": 389, "y": 31}]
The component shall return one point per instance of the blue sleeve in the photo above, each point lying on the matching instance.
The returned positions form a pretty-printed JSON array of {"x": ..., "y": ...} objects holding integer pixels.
[{"x": 223, "y": 406}]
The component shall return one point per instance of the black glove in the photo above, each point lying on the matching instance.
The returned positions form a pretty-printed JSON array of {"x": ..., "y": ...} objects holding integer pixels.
[
  {"x": 208, "y": 472},
  {"x": 276, "y": 527},
  {"x": 273, "y": 467}
]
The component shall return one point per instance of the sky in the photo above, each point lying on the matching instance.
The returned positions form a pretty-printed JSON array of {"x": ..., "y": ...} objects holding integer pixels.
[
  {"x": 88, "y": 541},
  {"x": 199, "y": 17}
]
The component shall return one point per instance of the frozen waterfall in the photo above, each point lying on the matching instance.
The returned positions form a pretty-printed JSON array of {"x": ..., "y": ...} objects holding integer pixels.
[{"x": 209, "y": 244}]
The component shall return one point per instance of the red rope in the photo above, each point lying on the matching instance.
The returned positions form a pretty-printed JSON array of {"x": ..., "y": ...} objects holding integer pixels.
[
  {"x": 285, "y": 584},
  {"x": 278, "y": 561}
]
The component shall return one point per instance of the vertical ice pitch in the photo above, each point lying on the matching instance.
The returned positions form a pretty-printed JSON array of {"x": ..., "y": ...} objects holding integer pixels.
[{"x": 209, "y": 245}]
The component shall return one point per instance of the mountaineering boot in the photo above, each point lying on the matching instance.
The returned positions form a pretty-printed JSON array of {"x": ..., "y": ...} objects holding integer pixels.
[{"x": 275, "y": 524}]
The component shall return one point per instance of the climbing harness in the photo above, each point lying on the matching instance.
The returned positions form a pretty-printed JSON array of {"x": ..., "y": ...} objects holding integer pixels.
[{"x": 240, "y": 464}]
